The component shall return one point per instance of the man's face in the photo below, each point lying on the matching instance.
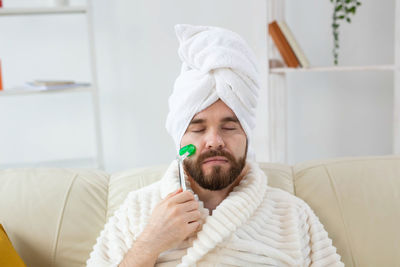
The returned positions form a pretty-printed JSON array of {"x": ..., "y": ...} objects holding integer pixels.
[{"x": 221, "y": 147}]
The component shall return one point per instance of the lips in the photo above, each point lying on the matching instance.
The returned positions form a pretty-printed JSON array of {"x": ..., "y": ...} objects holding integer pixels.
[{"x": 215, "y": 160}]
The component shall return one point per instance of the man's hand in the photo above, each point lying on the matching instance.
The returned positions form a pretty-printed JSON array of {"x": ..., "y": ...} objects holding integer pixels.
[{"x": 173, "y": 220}]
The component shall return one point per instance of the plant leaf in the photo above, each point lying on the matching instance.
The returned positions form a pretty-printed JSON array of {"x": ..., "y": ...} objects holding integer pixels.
[
  {"x": 351, "y": 10},
  {"x": 336, "y": 37}
]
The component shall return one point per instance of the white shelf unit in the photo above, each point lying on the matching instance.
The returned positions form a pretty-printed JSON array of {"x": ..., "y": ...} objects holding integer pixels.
[
  {"x": 44, "y": 10},
  {"x": 278, "y": 94},
  {"x": 333, "y": 69},
  {"x": 97, "y": 161},
  {"x": 21, "y": 92}
]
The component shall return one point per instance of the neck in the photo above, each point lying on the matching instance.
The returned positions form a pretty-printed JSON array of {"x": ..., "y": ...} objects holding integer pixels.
[{"x": 212, "y": 199}]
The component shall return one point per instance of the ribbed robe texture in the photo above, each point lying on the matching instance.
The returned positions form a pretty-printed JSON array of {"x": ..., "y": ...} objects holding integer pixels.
[{"x": 256, "y": 225}]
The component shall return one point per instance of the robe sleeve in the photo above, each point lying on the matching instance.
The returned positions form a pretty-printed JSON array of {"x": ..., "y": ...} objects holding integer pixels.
[
  {"x": 117, "y": 236},
  {"x": 322, "y": 252}
]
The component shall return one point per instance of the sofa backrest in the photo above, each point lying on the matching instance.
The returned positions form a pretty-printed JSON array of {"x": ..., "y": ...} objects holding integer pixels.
[
  {"x": 358, "y": 202},
  {"x": 53, "y": 216}
]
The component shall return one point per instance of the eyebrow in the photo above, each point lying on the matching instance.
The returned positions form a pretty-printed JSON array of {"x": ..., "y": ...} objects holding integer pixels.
[
  {"x": 226, "y": 119},
  {"x": 197, "y": 121}
]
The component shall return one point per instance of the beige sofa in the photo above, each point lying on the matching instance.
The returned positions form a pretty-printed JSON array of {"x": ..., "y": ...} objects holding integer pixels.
[{"x": 53, "y": 216}]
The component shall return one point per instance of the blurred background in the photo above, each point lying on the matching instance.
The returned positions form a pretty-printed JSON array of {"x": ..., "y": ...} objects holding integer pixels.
[{"x": 329, "y": 114}]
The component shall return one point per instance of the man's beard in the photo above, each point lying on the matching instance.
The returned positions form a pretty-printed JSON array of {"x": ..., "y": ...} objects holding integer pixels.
[{"x": 218, "y": 179}]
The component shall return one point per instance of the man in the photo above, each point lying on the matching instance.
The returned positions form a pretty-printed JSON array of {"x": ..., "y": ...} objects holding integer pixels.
[{"x": 230, "y": 216}]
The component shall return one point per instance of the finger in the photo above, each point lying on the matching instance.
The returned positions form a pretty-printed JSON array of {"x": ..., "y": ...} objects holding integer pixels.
[
  {"x": 174, "y": 193},
  {"x": 182, "y": 197},
  {"x": 189, "y": 206},
  {"x": 193, "y": 227},
  {"x": 192, "y": 216}
]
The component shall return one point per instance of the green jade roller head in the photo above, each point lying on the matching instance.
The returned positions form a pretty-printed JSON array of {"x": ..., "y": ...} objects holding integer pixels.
[
  {"x": 184, "y": 152},
  {"x": 187, "y": 151}
]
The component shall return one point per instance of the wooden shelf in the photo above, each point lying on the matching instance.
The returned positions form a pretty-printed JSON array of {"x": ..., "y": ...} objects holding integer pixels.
[
  {"x": 20, "y": 92},
  {"x": 5, "y": 11},
  {"x": 334, "y": 69}
]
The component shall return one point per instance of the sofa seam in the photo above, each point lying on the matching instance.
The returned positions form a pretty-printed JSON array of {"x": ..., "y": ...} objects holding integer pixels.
[
  {"x": 336, "y": 193},
  {"x": 293, "y": 181},
  {"x": 61, "y": 220},
  {"x": 107, "y": 199}
]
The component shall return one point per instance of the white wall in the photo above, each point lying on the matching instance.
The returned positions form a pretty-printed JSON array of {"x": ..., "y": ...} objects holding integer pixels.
[
  {"x": 137, "y": 66},
  {"x": 341, "y": 114},
  {"x": 329, "y": 114}
]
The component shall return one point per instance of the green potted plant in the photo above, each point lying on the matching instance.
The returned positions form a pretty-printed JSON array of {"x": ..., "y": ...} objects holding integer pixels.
[{"x": 342, "y": 11}]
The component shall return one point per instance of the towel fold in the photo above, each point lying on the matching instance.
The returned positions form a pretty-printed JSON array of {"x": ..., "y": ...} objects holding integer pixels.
[{"x": 216, "y": 64}]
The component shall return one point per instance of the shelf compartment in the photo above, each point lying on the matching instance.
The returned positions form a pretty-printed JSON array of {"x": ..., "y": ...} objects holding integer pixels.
[
  {"x": 8, "y": 11},
  {"x": 20, "y": 92},
  {"x": 334, "y": 69}
]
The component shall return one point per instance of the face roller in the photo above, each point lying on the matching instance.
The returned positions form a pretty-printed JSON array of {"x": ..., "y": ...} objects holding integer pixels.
[{"x": 184, "y": 152}]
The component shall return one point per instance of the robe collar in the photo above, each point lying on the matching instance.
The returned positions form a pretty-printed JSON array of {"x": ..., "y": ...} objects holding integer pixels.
[{"x": 229, "y": 215}]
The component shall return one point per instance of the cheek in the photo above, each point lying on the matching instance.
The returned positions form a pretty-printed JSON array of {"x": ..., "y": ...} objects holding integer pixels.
[
  {"x": 239, "y": 145},
  {"x": 188, "y": 139}
]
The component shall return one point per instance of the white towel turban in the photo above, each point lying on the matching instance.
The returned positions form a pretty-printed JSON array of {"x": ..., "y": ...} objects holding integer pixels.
[{"x": 216, "y": 64}]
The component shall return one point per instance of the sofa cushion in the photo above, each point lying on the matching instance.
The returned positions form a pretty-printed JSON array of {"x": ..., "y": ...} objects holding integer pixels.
[
  {"x": 358, "y": 202},
  {"x": 53, "y": 216},
  {"x": 121, "y": 183},
  {"x": 9, "y": 257}
]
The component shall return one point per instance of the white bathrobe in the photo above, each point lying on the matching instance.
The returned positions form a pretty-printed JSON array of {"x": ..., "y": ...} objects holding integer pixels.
[{"x": 256, "y": 225}]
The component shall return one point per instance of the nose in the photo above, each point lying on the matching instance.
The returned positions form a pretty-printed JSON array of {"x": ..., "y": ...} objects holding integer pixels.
[{"x": 214, "y": 140}]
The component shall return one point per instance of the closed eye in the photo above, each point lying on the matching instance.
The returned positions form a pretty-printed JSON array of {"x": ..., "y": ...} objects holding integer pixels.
[{"x": 198, "y": 131}]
